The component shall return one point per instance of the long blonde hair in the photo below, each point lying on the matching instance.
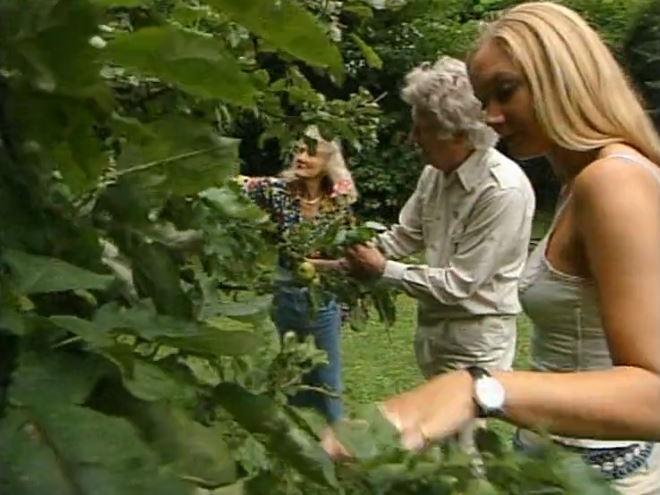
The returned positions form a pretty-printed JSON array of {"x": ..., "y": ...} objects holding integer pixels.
[
  {"x": 582, "y": 98},
  {"x": 336, "y": 171}
]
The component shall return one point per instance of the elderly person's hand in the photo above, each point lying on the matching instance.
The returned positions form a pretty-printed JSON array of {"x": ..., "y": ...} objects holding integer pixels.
[
  {"x": 435, "y": 410},
  {"x": 365, "y": 260}
]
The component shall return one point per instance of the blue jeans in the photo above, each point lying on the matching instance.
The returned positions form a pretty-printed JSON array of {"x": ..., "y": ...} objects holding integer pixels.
[{"x": 291, "y": 312}]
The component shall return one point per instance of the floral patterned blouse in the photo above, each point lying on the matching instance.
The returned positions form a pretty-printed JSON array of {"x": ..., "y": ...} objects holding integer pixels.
[{"x": 280, "y": 198}]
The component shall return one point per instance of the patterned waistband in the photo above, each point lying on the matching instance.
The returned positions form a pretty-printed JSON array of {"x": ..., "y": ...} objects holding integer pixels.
[{"x": 616, "y": 463}]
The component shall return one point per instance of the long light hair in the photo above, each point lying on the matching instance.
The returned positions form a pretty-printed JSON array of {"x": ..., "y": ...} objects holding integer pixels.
[
  {"x": 582, "y": 98},
  {"x": 339, "y": 177},
  {"x": 444, "y": 90}
]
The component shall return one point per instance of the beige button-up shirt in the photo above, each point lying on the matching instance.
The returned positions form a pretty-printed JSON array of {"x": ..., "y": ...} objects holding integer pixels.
[{"x": 473, "y": 226}]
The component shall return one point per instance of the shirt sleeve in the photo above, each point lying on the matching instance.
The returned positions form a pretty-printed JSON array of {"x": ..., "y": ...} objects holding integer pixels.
[
  {"x": 490, "y": 240},
  {"x": 405, "y": 237}
]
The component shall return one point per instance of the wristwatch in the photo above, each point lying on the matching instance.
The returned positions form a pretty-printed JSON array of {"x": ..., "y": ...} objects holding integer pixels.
[{"x": 487, "y": 393}]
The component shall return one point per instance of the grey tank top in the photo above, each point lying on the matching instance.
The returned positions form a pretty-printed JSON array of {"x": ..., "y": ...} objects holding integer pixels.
[{"x": 568, "y": 334}]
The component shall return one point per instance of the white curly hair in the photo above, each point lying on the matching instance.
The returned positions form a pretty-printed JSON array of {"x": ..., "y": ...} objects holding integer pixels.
[
  {"x": 341, "y": 180},
  {"x": 443, "y": 89}
]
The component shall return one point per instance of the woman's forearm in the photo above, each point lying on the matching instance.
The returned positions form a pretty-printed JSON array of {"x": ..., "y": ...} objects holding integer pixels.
[{"x": 620, "y": 403}]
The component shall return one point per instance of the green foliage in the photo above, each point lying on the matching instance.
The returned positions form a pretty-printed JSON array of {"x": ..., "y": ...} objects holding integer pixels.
[
  {"x": 642, "y": 51},
  {"x": 380, "y": 467},
  {"x": 281, "y": 434},
  {"x": 135, "y": 279},
  {"x": 370, "y": 55},
  {"x": 423, "y": 30},
  {"x": 195, "y": 63},
  {"x": 612, "y": 18},
  {"x": 402, "y": 38},
  {"x": 68, "y": 449},
  {"x": 328, "y": 239},
  {"x": 38, "y": 274},
  {"x": 287, "y": 26},
  {"x": 125, "y": 267}
]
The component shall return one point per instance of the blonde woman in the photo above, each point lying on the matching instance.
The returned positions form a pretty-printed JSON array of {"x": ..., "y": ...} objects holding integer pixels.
[
  {"x": 317, "y": 185},
  {"x": 549, "y": 86}
]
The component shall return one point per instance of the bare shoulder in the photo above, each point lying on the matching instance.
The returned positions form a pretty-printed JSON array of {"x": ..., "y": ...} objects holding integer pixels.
[
  {"x": 616, "y": 212},
  {"x": 621, "y": 184}
]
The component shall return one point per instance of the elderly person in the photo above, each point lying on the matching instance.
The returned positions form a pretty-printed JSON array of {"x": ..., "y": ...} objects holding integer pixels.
[
  {"x": 550, "y": 86},
  {"x": 471, "y": 215},
  {"x": 317, "y": 186}
]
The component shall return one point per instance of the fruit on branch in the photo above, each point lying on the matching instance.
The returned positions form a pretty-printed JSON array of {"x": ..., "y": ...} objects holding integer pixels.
[{"x": 306, "y": 271}]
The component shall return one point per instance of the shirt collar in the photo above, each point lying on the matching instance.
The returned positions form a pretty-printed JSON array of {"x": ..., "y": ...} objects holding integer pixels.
[{"x": 469, "y": 172}]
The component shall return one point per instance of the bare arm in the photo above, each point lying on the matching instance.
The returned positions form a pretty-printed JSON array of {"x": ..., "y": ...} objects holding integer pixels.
[{"x": 618, "y": 219}]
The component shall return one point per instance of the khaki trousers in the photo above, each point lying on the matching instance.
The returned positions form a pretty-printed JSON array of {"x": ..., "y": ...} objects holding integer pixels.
[{"x": 487, "y": 341}]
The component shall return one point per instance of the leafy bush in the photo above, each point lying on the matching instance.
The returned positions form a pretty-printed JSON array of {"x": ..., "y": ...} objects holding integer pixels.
[
  {"x": 134, "y": 285},
  {"x": 421, "y": 31},
  {"x": 642, "y": 51}
]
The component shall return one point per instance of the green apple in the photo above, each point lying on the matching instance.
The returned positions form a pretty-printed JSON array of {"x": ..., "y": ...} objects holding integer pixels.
[{"x": 306, "y": 271}]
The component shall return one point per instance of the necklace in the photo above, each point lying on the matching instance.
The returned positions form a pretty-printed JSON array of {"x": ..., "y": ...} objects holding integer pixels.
[{"x": 310, "y": 201}]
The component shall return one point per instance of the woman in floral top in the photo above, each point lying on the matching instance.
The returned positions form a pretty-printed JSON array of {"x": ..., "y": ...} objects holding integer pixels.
[{"x": 317, "y": 186}]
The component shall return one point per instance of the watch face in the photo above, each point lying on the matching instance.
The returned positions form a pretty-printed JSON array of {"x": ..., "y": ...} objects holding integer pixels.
[{"x": 489, "y": 393}]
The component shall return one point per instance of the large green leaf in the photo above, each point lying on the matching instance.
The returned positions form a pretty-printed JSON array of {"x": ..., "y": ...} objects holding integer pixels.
[
  {"x": 48, "y": 378},
  {"x": 372, "y": 58},
  {"x": 35, "y": 274},
  {"x": 156, "y": 275},
  {"x": 173, "y": 156},
  {"x": 213, "y": 339},
  {"x": 286, "y": 25},
  {"x": 195, "y": 63},
  {"x": 193, "y": 451},
  {"x": 49, "y": 45},
  {"x": 370, "y": 435},
  {"x": 147, "y": 381},
  {"x": 282, "y": 436},
  {"x": 143, "y": 320},
  {"x": 26, "y": 225},
  {"x": 252, "y": 310},
  {"x": 232, "y": 204},
  {"x": 12, "y": 321},
  {"x": 85, "y": 329},
  {"x": 72, "y": 450},
  {"x": 61, "y": 132}
]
